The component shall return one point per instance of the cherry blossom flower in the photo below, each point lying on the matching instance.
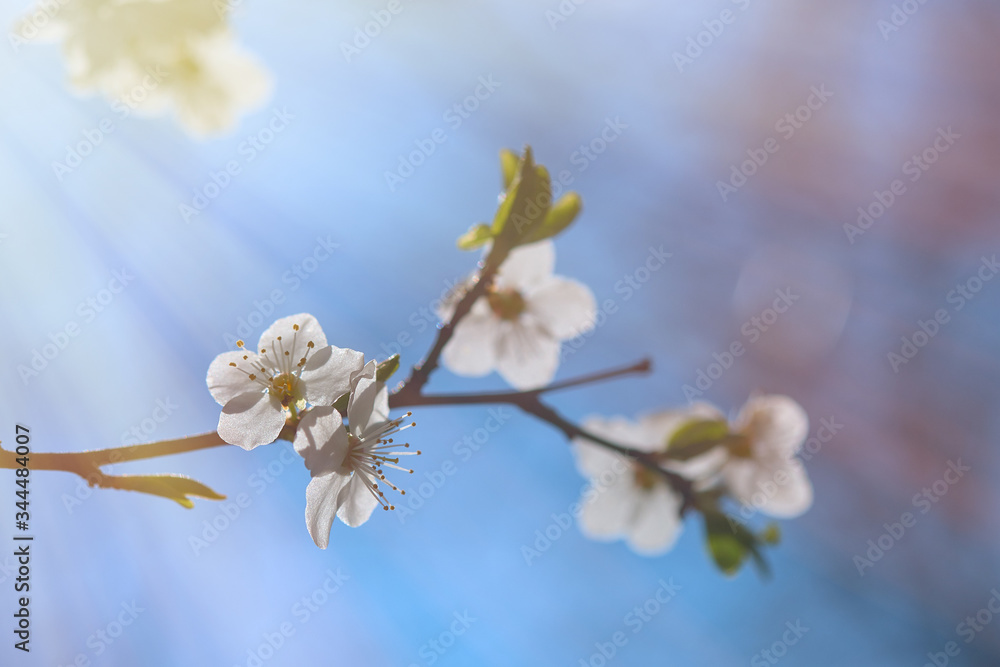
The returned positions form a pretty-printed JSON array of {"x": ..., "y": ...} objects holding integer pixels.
[
  {"x": 348, "y": 464},
  {"x": 762, "y": 469},
  {"x": 292, "y": 368},
  {"x": 517, "y": 328},
  {"x": 152, "y": 55},
  {"x": 627, "y": 500}
]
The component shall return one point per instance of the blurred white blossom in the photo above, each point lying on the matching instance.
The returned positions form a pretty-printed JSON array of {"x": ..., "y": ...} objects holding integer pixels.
[
  {"x": 155, "y": 55},
  {"x": 627, "y": 500},
  {"x": 518, "y": 326},
  {"x": 762, "y": 469}
]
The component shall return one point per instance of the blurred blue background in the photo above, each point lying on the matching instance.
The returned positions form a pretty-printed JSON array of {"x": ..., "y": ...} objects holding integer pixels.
[{"x": 322, "y": 180}]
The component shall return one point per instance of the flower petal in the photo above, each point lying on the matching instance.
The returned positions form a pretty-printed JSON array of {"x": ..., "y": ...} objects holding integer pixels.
[
  {"x": 294, "y": 342},
  {"x": 528, "y": 265},
  {"x": 252, "y": 419},
  {"x": 471, "y": 352},
  {"x": 566, "y": 308},
  {"x": 779, "y": 488},
  {"x": 593, "y": 460},
  {"x": 225, "y": 382},
  {"x": 700, "y": 468},
  {"x": 657, "y": 523},
  {"x": 357, "y": 503},
  {"x": 368, "y": 408},
  {"x": 321, "y": 440},
  {"x": 777, "y": 425},
  {"x": 322, "y": 498},
  {"x": 608, "y": 512},
  {"x": 327, "y": 373},
  {"x": 527, "y": 356}
]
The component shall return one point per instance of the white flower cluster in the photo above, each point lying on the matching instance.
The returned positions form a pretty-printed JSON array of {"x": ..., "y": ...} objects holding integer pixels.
[
  {"x": 293, "y": 382},
  {"x": 154, "y": 55},
  {"x": 756, "y": 465},
  {"x": 294, "y": 378},
  {"x": 517, "y": 328}
]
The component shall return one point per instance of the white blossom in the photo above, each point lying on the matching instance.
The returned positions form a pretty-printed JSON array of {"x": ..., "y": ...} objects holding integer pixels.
[
  {"x": 291, "y": 369},
  {"x": 762, "y": 469},
  {"x": 348, "y": 464},
  {"x": 153, "y": 55},
  {"x": 627, "y": 500},
  {"x": 517, "y": 328}
]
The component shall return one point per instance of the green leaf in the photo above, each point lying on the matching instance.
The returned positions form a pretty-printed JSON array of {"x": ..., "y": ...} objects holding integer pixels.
[
  {"x": 174, "y": 487},
  {"x": 508, "y": 165},
  {"x": 697, "y": 437},
  {"x": 387, "y": 368},
  {"x": 526, "y": 204},
  {"x": 477, "y": 236},
  {"x": 533, "y": 209},
  {"x": 730, "y": 542},
  {"x": 560, "y": 216},
  {"x": 727, "y": 542}
]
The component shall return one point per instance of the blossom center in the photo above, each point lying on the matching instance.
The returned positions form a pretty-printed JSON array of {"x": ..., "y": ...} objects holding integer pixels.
[
  {"x": 645, "y": 478},
  {"x": 286, "y": 388},
  {"x": 740, "y": 445},
  {"x": 507, "y": 304},
  {"x": 275, "y": 371}
]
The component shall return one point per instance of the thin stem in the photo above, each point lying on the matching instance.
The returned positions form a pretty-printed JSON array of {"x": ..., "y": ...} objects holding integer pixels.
[
  {"x": 422, "y": 372},
  {"x": 534, "y": 406},
  {"x": 403, "y": 399},
  {"x": 530, "y": 402}
]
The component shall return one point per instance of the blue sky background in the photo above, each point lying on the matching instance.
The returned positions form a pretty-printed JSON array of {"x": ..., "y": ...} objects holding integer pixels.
[{"x": 461, "y": 552}]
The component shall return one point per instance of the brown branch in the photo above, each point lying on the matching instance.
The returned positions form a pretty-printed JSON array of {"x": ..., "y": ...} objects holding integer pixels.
[
  {"x": 87, "y": 464},
  {"x": 421, "y": 373},
  {"x": 530, "y": 402}
]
